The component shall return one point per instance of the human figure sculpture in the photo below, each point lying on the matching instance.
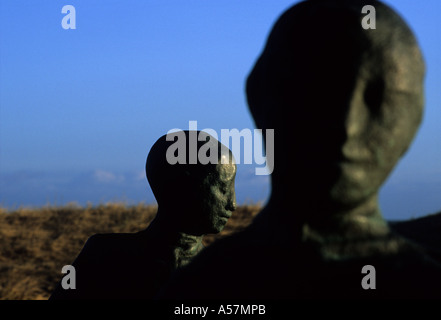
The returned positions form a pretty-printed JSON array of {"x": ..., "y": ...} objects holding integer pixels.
[
  {"x": 193, "y": 199},
  {"x": 345, "y": 103}
]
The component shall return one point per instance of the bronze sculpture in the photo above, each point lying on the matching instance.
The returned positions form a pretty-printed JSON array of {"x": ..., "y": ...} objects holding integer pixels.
[{"x": 193, "y": 200}]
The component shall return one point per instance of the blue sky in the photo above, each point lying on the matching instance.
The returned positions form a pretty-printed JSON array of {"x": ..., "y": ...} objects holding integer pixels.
[{"x": 80, "y": 109}]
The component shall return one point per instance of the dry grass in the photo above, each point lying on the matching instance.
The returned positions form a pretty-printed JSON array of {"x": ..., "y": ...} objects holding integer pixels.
[{"x": 36, "y": 243}]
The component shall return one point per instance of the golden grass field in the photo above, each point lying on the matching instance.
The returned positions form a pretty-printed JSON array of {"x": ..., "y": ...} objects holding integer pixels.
[{"x": 36, "y": 243}]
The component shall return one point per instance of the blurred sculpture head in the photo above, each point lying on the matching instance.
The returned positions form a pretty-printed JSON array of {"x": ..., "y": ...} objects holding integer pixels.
[{"x": 345, "y": 102}]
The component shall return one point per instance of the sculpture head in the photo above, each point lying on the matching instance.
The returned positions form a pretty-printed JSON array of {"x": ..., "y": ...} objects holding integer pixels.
[
  {"x": 199, "y": 197},
  {"x": 345, "y": 102}
]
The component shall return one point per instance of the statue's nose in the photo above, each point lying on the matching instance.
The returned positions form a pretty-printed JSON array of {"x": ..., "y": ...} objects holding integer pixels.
[
  {"x": 363, "y": 102},
  {"x": 232, "y": 203}
]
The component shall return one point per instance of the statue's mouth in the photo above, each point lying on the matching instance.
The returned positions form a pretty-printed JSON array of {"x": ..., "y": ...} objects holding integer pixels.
[{"x": 227, "y": 214}]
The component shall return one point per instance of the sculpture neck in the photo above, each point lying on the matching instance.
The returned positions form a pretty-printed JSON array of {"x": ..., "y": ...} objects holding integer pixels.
[
  {"x": 295, "y": 218},
  {"x": 180, "y": 246},
  {"x": 187, "y": 248},
  {"x": 363, "y": 221}
]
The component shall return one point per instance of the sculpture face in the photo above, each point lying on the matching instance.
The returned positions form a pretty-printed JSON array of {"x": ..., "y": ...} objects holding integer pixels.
[
  {"x": 376, "y": 128},
  {"x": 342, "y": 147},
  {"x": 217, "y": 198}
]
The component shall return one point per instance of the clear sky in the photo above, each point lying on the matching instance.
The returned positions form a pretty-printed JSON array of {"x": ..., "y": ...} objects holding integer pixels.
[{"x": 80, "y": 109}]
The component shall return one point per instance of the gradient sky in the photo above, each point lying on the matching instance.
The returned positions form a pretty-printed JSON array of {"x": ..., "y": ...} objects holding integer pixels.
[{"x": 80, "y": 109}]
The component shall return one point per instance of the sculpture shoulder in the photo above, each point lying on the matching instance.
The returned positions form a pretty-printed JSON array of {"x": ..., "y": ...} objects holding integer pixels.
[
  {"x": 425, "y": 231},
  {"x": 226, "y": 247},
  {"x": 104, "y": 239},
  {"x": 100, "y": 247},
  {"x": 226, "y": 261}
]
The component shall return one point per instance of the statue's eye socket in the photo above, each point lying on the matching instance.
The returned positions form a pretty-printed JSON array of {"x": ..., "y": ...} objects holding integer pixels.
[{"x": 374, "y": 93}]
